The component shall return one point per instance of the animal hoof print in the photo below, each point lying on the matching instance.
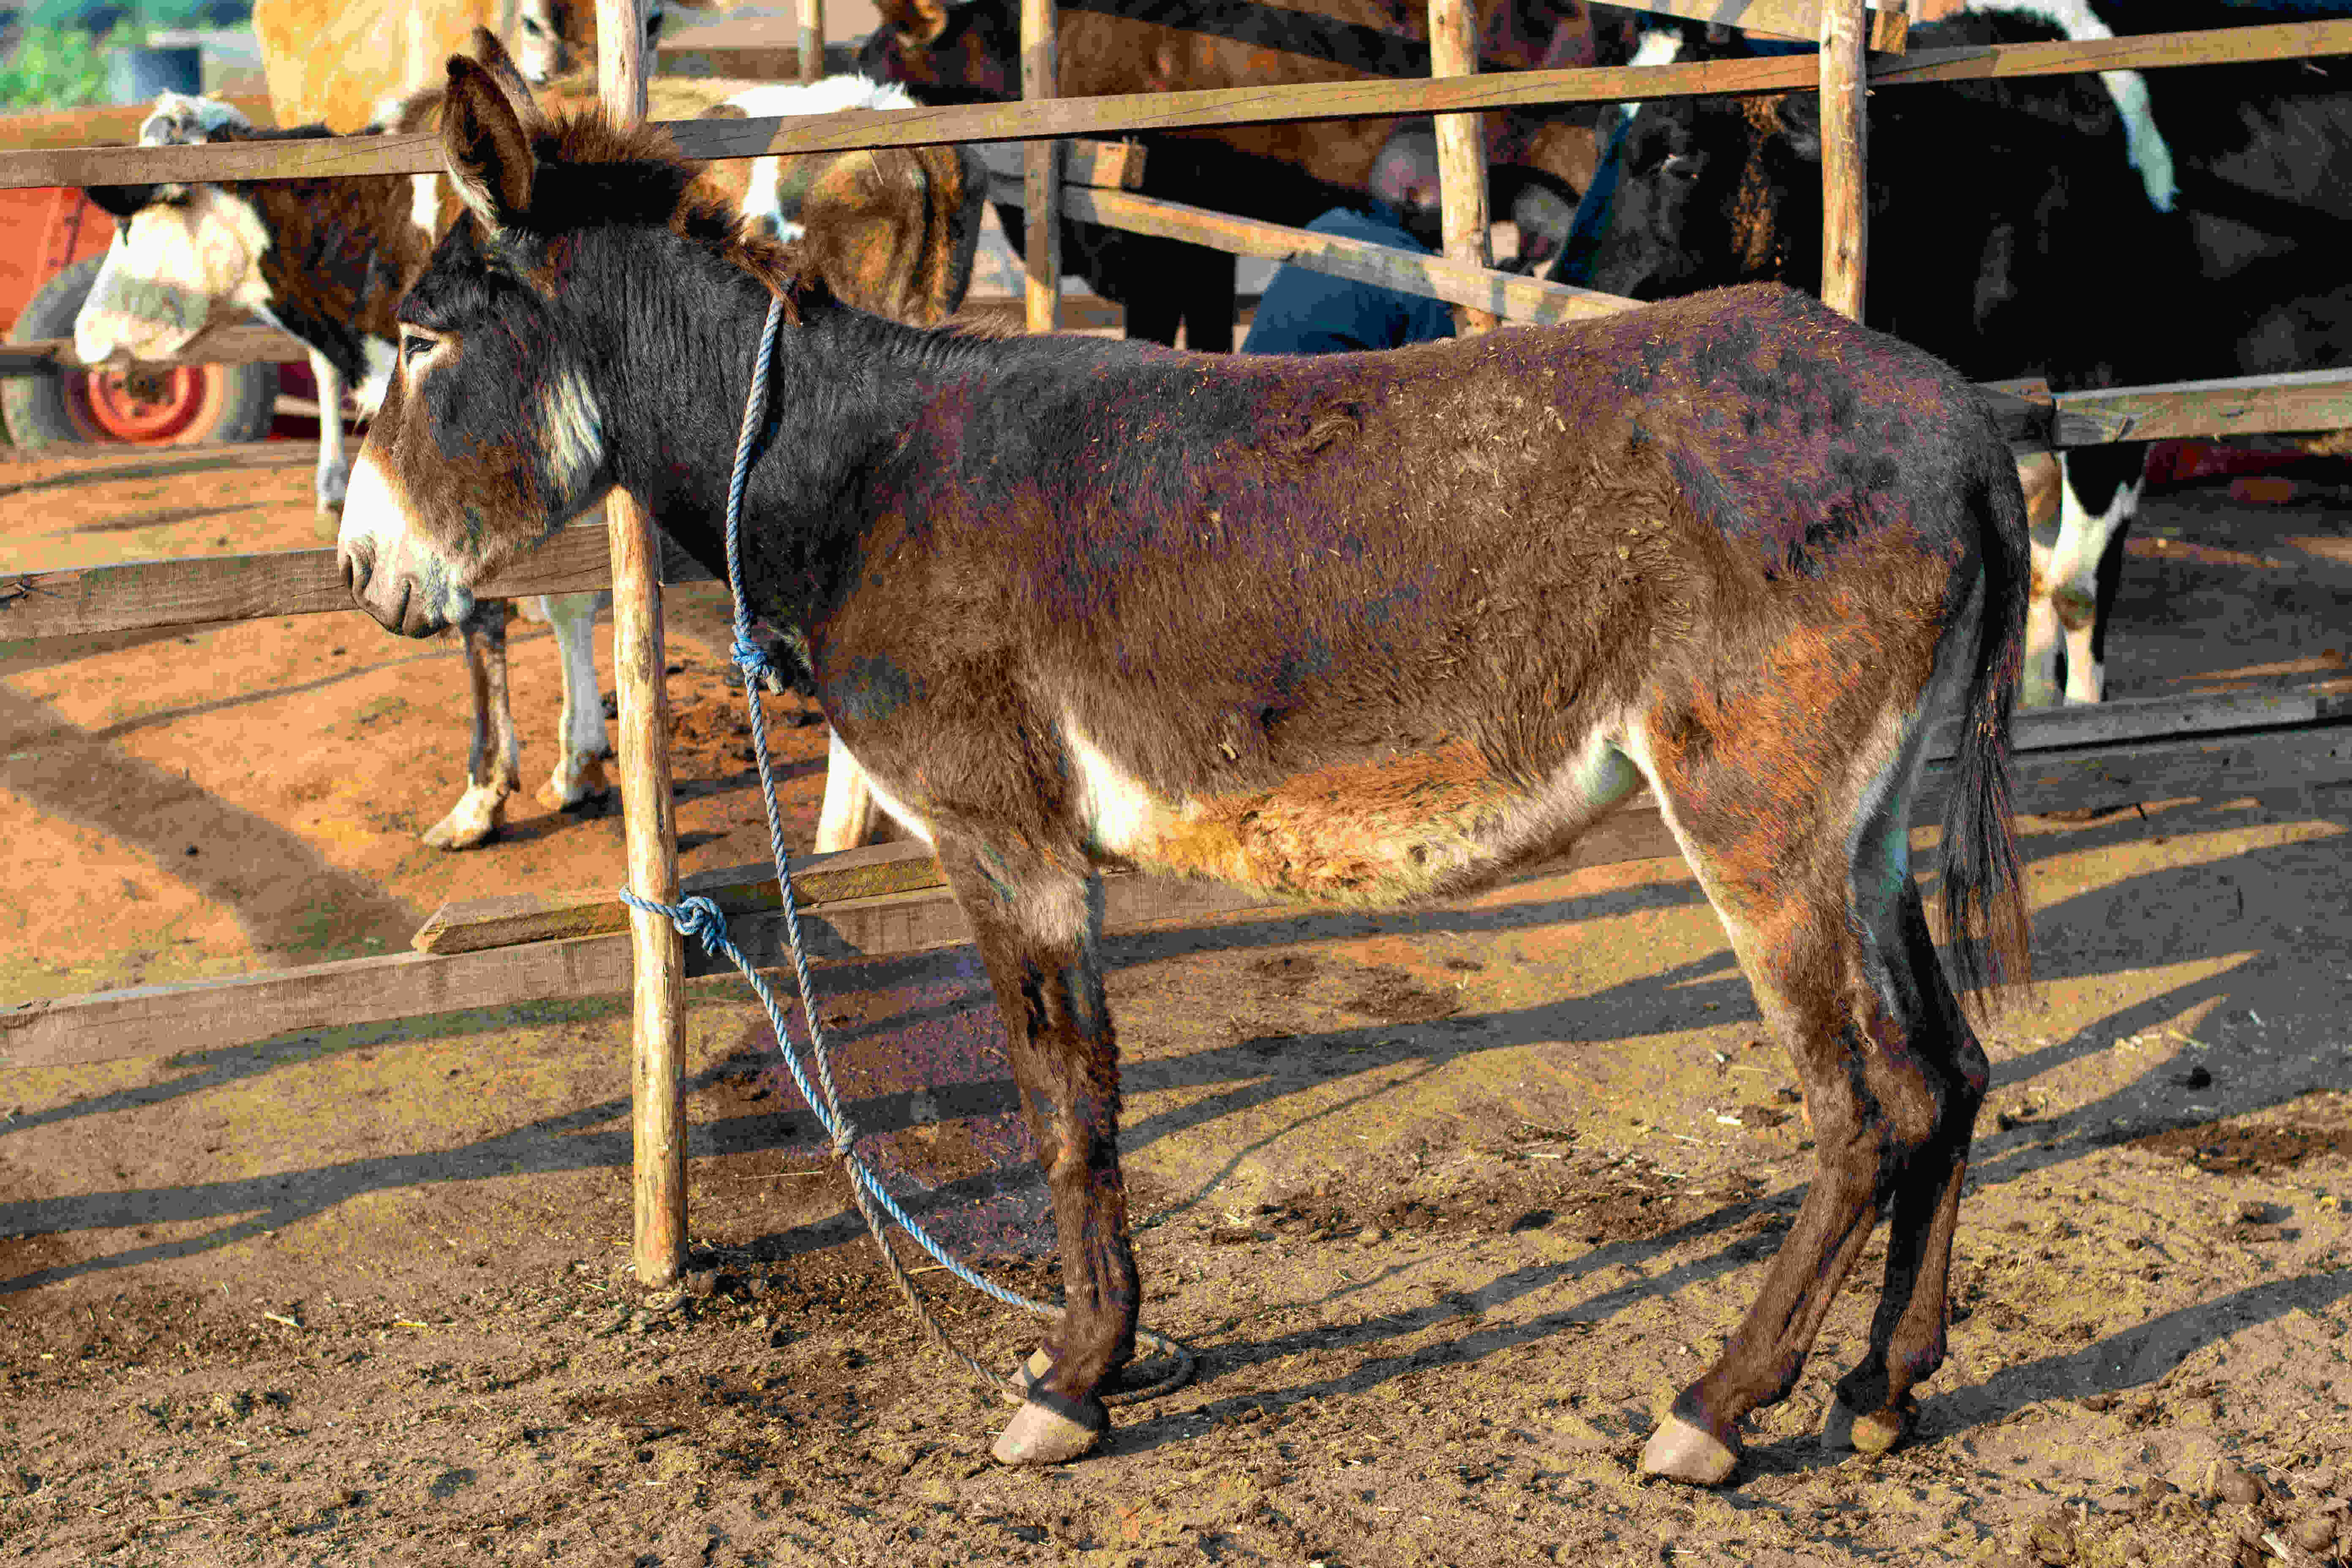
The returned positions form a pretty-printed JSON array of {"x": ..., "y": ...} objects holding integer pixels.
[
  {"x": 1846, "y": 1428},
  {"x": 1682, "y": 1452},
  {"x": 1036, "y": 1436}
]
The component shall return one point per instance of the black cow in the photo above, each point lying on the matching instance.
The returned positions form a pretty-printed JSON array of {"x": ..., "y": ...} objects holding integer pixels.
[{"x": 2012, "y": 234}]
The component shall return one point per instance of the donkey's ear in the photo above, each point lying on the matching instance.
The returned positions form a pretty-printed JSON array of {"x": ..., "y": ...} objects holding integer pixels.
[
  {"x": 486, "y": 145},
  {"x": 485, "y": 46}
]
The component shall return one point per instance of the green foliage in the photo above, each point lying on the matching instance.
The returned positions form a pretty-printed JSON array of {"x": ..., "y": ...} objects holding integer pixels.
[{"x": 56, "y": 67}]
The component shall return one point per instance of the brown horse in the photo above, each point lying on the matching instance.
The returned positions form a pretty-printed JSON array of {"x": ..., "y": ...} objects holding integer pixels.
[{"x": 1363, "y": 628}]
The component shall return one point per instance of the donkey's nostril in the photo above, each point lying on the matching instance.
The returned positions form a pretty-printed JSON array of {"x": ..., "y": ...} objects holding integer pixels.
[{"x": 359, "y": 565}]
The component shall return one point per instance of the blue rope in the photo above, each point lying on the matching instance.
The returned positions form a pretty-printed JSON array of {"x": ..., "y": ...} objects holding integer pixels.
[{"x": 702, "y": 919}]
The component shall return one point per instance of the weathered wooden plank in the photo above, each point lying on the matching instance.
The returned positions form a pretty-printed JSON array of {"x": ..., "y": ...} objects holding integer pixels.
[
  {"x": 207, "y": 1015},
  {"x": 1507, "y": 294},
  {"x": 1889, "y": 24},
  {"x": 227, "y": 345},
  {"x": 1845, "y": 207},
  {"x": 1113, "y": 165},
  {"x": 1461, "y": 156},
  {"x": 2240, "y": 405},
  {"x": 470, "y": 925},
  {"x": 195, "y": 589},
  {"x": 1041, "y": 172},
  {"x": 1126, "y": 114},
  {"x": 2139, "y": 719},
  {"x": 109, "y": 122}
]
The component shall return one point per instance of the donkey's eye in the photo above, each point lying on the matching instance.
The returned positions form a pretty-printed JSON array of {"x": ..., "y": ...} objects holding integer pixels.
[
  {"x": 414, "y": 346},
  {"x": 531, "y": 24}
]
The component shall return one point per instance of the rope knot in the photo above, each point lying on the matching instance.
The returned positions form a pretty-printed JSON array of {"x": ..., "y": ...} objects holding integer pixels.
[
  {"x": 752, "y": 659},
  {"x": 698, "y": 917}
]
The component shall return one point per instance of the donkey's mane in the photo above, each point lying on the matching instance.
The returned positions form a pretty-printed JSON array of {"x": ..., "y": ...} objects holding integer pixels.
[{"x": 593, "y": 171}]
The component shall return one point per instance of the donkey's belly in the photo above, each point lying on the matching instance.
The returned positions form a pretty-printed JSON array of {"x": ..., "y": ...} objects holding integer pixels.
[{"x": 1398, "y": 829}]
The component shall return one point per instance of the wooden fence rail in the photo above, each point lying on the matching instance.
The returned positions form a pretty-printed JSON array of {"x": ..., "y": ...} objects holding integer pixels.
[
  {"x": 418, "y": 153},
  {"x": 888, "y": 899}
]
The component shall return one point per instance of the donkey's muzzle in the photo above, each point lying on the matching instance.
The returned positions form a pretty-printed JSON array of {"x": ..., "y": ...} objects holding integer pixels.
[{"x": 398, "y": 601}]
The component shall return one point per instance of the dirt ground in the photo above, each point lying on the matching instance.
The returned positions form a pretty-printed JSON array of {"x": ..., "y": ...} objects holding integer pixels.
[{"x": 1447, "y": 1203}]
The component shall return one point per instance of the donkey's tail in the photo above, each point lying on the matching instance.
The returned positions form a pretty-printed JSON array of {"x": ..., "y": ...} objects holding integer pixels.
[{"x": 1985, "y": 918}]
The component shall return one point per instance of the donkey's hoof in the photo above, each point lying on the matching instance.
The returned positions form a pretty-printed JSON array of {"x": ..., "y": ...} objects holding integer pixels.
[
  {"x": 471, "y": 823},
  {"x": 1036, "y": 1436},
  {"x": 1682, "y": 1452},
  {"x": 1847, "y": 1428},
  {"x": 579, "y": 785}
]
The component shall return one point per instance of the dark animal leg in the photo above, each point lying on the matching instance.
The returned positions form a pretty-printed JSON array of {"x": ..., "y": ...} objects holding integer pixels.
[
  {"x": 494, "y": 771},
  {"x": 1153, "y": 312},
  {"x": 1826, "y": 935},
  {"x": 1038, "y": 925},
  {"x": 1906, "y": 1333},
  {"x": 1208, "y": 300}
]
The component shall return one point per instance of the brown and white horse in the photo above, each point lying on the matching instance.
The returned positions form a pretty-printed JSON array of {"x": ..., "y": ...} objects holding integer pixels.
[{"x": 1365, "y": 629}]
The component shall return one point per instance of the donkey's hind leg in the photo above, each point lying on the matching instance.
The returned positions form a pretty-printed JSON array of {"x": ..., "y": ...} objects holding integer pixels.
[
  {"x": 494, "y": 771},
  {"x": 1816, "y": 894},
  {"x": 1039, "y": 927}
]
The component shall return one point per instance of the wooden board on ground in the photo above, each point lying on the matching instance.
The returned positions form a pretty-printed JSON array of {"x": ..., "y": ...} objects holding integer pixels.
[{"x": 207, "y": 1015}]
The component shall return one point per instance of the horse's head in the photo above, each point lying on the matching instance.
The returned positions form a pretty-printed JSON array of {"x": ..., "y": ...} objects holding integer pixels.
[{"x": 492, "y": 433}]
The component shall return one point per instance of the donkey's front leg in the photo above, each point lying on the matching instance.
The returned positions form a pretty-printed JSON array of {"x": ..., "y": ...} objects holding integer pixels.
[
  {"x": 1039, "y": 926},
  {"x": 494, "y": 771}
]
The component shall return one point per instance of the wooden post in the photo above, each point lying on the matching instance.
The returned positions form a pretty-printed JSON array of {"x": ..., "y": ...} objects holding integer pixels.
[
  {"x": 649, "y": 825},
  {"x": 1460, "y": 152},
  {"x": 1040, "y": 169},
  {"x": 1845, "y": 189},
  {"x": 812, "y": 39}
]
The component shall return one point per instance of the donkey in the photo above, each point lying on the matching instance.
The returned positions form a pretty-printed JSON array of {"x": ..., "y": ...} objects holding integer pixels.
[
  {"x": 894, "y": 231},
  {"x": 1366, "y": 630}
]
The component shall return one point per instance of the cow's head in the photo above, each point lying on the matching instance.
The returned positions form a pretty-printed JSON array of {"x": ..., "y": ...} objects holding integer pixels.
[
  {"x": 1714, "y": 191},
  {"x": 947, "y": 50},
  {"x": 556, "y": 37},
  {"x": 182, "y": 254}
]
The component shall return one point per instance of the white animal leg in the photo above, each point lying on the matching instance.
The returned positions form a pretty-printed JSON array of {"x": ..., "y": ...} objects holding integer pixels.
[
  {"x": 495, "y": 770},
  {"x": 2038, "y": 687},
  {"x": 2070, "y": 579},
  {"x": 579, "y": 776},
  {"x": 334, "y": 474},
  {"x": 848, "y": 817}
]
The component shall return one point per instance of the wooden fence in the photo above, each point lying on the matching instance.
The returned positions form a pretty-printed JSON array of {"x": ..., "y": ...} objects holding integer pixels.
[{"x": 871, "y": 902}]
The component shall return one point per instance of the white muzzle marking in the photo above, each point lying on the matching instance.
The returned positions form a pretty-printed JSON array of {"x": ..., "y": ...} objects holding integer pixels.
[{"x": 397, "y": 575}]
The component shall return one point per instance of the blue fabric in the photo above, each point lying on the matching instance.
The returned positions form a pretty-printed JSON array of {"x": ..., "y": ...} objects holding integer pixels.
[{"x": 1306, "y": 313}]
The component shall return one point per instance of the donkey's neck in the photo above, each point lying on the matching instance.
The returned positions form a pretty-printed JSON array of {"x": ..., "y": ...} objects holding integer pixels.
[{"x": 672, "y": 404}]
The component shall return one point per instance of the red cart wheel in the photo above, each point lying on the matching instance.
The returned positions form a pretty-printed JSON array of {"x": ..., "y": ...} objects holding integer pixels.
[{"x": 181, "y": 405}]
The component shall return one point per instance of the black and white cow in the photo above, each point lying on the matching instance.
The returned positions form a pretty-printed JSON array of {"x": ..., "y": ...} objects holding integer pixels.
[{"x": 2096, "y": 230}]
